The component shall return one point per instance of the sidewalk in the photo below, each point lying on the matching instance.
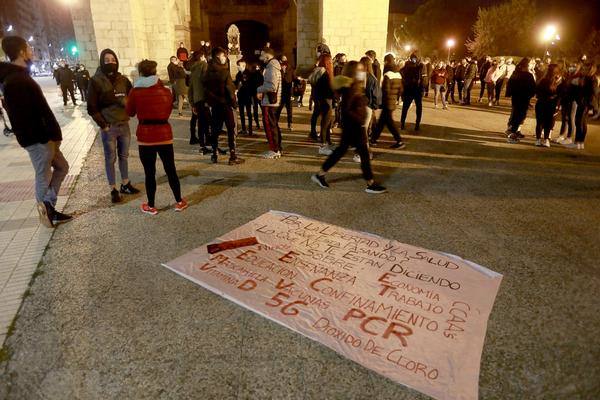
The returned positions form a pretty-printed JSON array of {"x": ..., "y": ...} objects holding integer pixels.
[{"x": 22, "y": 238}]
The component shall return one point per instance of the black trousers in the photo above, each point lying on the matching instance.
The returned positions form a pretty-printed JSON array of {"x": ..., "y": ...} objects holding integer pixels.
[
  {"x": 581, "y": 122},
  {"x": 325, "y": 110},
  {"x": 499, "y": 86},
  {"x": 222, "y": 114},
  {"x": 316, "y": 111},
  {"x": 408, "y": 97},
  {"x": 386, "y": 119},
  {"x": 566, "y": 124},
  {"x": 255, "y": 106},
  {"x": 272, "y": 130},
  {"x": 544, "y": 118},
  {"x": 450, "y": 91},
  {"x": 518, "y": 113},
  {"x": 202, "y": 120},
  {"x": 361, "y": 148},
  {"x": 460, "y": 85},
  {"x": 246, "y": 111},
  {"x": 482, "y": 89},
  {"x": 286, "y": 101},
  {"x": 148, "y": 159},
  {"x": 71, "y": 92},
  {"x": 83, "y": 92}
]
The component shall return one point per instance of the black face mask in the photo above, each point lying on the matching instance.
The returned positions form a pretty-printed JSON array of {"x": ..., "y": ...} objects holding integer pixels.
[{"x": 109, "y": 69}]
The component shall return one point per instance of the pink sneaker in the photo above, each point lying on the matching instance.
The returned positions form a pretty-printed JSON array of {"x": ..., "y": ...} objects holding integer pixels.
[
  {"x": 146, "y": 209},
  {"x": 182, "y": 205}
]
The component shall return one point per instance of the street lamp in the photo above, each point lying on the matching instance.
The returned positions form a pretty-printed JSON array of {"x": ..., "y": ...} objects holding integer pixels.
[
  {"x": 549, "y": 35},
  {"x": 450, "y": 43},
  {"x": 407, "y": 48}
]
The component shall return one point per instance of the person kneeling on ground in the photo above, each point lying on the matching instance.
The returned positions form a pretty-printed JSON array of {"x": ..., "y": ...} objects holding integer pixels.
[
  {"x": 151, "y": 101},
  {"x": 35, "y": 128},
  {"x": 353, "y": 113}
]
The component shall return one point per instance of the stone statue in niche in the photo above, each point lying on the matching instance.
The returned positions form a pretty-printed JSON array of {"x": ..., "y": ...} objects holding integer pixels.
[{"x": 233, "y": 40}]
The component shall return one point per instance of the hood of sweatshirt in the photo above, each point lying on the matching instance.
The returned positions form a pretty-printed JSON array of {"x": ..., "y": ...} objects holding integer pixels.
[
  {"x": 105, "y": 52},
  {"x": 146, "y": 81},
  {"x": 8, "y": 68},
  {"x": 393, "y": 75}
]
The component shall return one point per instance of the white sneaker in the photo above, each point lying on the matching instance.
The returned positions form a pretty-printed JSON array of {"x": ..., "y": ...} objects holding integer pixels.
[
  {"x": 580, "y": 146},
  {"x": 356, "y": 158},
  {"x": 567, "y": 142},
  {"x": 559, "y": 139},
  {"x": 325, "y": 150},
  {"x": 272, "y": 155},
  {"x": 572, "y": 146},
  {"x": 547, "y": 143},
  {"x": 538, "y": 142},
  {"x": 490, "y": 104}
]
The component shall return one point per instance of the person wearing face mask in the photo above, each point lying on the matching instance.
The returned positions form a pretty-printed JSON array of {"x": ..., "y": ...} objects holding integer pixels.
[
  {"x": 244, "y": 95},
  {"x": 470, "y": 76},
  {"x": 220, "y": 97},
  {"x": 35, "y": 127},
  {"x": 66, "y": 79},
  {"x": 566, "y": 97},
  {"x": 269, "y": 93},
  {"x": 288, "y": 75},
  {"x": 82, "y": 76},
  {"x": 545, "y": 107},
  {"x": 584, "y": 98},
  {"x": 459, "y": 78},
  {"x": 323, "y": 97},
  {"x": 499, "y": 77},
  {"x": 177, "y": 78},
  {"x": 490, "y": 82},
  {"x": 412, "y": 75},
  {"x": 107, "y": 97},
  {"x": 350, "y": 86},
  {"x": 200, "y": 112},
  {"x": 483, "y": 69}
]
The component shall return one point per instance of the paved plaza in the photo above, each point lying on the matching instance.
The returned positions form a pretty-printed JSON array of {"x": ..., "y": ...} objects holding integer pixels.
[{"x": 104, "y": 320}]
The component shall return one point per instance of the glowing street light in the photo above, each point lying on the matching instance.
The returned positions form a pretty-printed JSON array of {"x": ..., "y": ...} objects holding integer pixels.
[
  {"x": 9, "y": 29},
  {"x": 30, "y": 39},
  {"x": 450, "y": 43},
  {"x": 407, "y": 48},
  {"x": 549, "y": 36}
]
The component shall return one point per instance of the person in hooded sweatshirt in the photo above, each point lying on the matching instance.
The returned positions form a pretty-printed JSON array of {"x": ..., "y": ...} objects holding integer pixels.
[
  {"x": 107, "y": 97},
  {"x": 66, "y": 79},
  {"x": 288, "y": 77},
  {"x": 412, "y": 75},
  {"x": 547, "y": 102},
  {"x": 391, "y": 88},
  {"x": 269, "y": 93},
  {"x": 35, "y": 127},
  {"x": 520, "y": 88},
  {"x": 151, "y": 101},
  {"x": 82, "y": 76},
  {"x": 219, "y": 92}
]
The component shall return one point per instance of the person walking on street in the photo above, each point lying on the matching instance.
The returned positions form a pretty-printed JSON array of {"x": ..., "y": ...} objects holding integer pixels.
[
  {"x": 82, "y": 76},
  {"x": 547, "y": 102},
  {"x": 412, "y": 76},
  {"x": 269, "y": 93},
  {"x": 354, "y": 112},
  {"x": 151, "y": 102},
  {"x": 391, "y": 89},
  {"x": 177, "y": 78},
  {"x": 200, "y": 111},
  {"x": 66, "y": 78},
  {"x": 107, "y": 97},
  {"x": 35, "y": 128},
  {"x": 288, "y": 75},
  {"x": 520, "y": 88},
  {"x": 220, "y": 96}
]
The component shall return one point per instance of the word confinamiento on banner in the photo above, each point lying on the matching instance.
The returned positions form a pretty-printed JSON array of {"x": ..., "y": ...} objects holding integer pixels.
[{"x": 416, "y": 316}]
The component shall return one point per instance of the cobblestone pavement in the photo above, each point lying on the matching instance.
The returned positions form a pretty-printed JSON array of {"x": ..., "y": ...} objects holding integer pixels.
[
  {"x": 105, "y": 321},
  {"x": 22, "y": 238}
]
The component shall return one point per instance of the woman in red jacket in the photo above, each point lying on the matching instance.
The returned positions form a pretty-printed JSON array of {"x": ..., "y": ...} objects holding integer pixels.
[{"x": 152, "y": 103}]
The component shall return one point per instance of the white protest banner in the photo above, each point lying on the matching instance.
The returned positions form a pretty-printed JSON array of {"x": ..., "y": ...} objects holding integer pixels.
[{"x": 416, "y": 316}]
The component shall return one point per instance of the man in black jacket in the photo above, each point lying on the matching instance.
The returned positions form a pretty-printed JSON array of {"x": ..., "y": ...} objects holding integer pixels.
[
  {"x": 459, "y": 77},
  {"x": 219, "y": 92},
  {"x": 376, "y": 66},
  {"x": 82, "y": 76},
  {"x": 412, "y": 74},
  {"x": 485, "y": 65},
  {"x": 107, "y": 96},
  {"x": 35, "y": 128},
  {"x": 66, "y": 77}
]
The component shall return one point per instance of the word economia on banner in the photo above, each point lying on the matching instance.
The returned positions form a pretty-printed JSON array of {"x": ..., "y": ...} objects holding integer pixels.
[{"x": 416, "y": 316}]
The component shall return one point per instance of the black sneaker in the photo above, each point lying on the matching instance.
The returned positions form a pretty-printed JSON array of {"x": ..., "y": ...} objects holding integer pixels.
[
  {"x": 398, "y": 145},
  {"x": 221, "y": 151},
  {"x": 236, "y": 161},
  {"x": 320, "y": 180},
  {"x": 59, "y": 218},
  {"x": 45, "y": 210},
  {"x": 214, "y": 159},
  {"x": 375, "y": 188},
  {"x": 128, "y": 189},
  {"x": 114, "y": 196},
  {"x": 205, "y": 150}
]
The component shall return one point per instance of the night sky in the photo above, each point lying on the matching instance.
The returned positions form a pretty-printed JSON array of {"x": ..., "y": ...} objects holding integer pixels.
[{"x": 574, "y": 17}]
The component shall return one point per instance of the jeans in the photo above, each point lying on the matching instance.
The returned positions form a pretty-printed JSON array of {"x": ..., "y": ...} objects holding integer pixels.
[
  {"x": 544, "y": 118},
  {"x": 450, "y": 91},
  {"x": 386, "y": 119},
  {"x": 460, "y": 85},
  {"x": 223, "y": 114},
  {"x": 581, "y": 122},
  {"x": 467, "y": 90},
  {"x": 116, "y": 144},
  {"x": 491, "y": 86},
  {"x": 272, "y": 130},
  {"x": 148, "y": 159},
  {"x": 567, "y": 117},
  {"x": 50, "y": 167},
  {"x": 325, "y": 109},
  {"x": 255, "y": 106},
  {"x": 437, "y": 91},
  {"x": 498, "y": 89},
  {"x": 408, "y": 97}
]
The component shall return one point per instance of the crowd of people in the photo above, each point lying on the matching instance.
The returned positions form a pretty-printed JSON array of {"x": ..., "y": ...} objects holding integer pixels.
[{"x": 344, "y": 94}]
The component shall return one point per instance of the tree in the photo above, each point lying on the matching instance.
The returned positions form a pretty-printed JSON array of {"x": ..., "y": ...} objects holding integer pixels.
[{"x": 504, "y": 29}]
